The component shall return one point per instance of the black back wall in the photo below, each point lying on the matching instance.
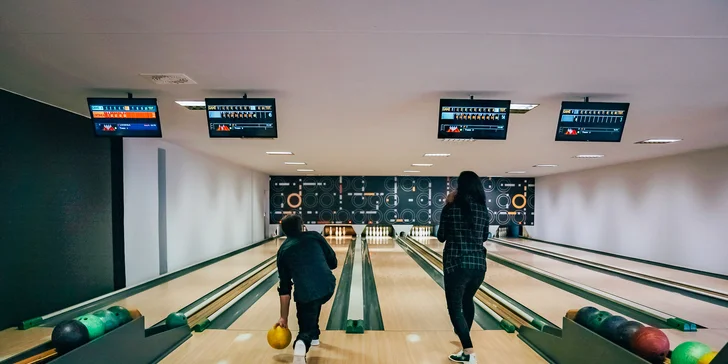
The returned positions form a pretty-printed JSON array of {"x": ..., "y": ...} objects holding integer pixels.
[
  {"x": 393, "y": 200},
  {"x": 56, "y": 215}
]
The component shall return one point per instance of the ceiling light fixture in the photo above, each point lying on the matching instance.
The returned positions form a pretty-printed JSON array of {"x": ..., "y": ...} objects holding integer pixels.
[
  {"x": 421, "y": 164},
  {"x": 190, "y": 103},
  {"x": 305, "y": 170},
  {"x": 516, "y": 172},
  {"x": 295, "y": 163},
  {"x": 522, "y": 108},
  {"x": 411, "y": 171},
  {"x": 279, "y": 153},
  {"x": 546, "y": 165},
  {"x": 437, "y": 154},
  {"x": 659, "y": 141},
  {"x": 589, "y": 156}
]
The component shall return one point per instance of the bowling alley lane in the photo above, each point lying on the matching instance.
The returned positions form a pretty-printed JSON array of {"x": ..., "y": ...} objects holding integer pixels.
[
  {"x": 157, "y": 302},
  {"x": 644, "y": 268},
  {"x": 266, "y": 310},
  {"x": 700, "y": 312},
  {"x": 408, "y": 297},
  {"x": 546, "y": 300},
  {"x": 552, "y": 302}
]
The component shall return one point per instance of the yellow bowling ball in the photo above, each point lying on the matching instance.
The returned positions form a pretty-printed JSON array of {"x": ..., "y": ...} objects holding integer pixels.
[
  {"x": 279, "y": 338},
  {"x": 707, "y": 358}
]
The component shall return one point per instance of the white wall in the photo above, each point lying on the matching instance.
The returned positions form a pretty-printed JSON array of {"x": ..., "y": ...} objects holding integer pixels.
[
  {"x": 671, "y": 210},
  {"x": 213, "y": 207}
]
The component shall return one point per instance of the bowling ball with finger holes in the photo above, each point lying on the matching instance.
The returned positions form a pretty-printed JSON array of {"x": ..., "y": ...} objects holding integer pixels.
[
  {"x": 134, "y": 313},
  {"x": 176, "y": 319},
  {"x": 109, "y": 319},
  {"x": 69, "y": 335},
  {"x": 121, "y": 313},
  {"x": 608, "y": 328},
  {"x": 584, "y": 314},
  {"x": 708, "y": 358},
  {"x": 625, "y": 332},
  {"x": 93, "y": 324},
  {"x": 689, "y": 352},
  {"x": 279, "y": 337},
  {"x": 651, "y": 344},
  {"x": 596, "y": 320}
]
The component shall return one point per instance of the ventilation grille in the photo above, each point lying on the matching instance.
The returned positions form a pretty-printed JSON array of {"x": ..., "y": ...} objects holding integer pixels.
[{"x": 169, "y": 78}]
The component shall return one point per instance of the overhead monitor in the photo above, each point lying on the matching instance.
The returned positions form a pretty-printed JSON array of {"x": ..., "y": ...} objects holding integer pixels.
[
  {"x": 591, "y": 121},
  {"x": 241, "y": 118},
  {"x": 125, "y": 117},
  {"x": 473, "y": 119}
]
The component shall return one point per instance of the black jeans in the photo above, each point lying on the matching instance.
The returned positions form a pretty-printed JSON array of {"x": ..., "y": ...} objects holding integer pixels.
[
  {"x": 308, "y": 314},
  {"x": 460, "y": 288}
]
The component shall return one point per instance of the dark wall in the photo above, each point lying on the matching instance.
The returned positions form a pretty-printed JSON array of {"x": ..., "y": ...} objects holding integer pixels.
[
  {"x": 56, "y": 210},
  {"x": 394, "y": 200}
]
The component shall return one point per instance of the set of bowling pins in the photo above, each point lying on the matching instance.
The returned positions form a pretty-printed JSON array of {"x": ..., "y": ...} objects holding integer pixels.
[
  {"x": 502, "y": 232},
  {"x": 422, "y": 231},
  {"x": 377, "y": 231},
  {"x": 338, "y": 231}
]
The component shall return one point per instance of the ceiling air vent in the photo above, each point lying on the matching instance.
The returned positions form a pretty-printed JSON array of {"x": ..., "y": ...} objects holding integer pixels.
[{"x": 169, "y": 78}]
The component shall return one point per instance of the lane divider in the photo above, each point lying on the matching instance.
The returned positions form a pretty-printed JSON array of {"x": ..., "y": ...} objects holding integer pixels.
[
  {"x": 699, "y": 290},
  {"x": 355, "y": 316},
  {"x": 670, "y": 320}
]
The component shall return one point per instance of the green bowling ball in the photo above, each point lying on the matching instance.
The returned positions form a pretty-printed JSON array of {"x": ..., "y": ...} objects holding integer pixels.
[
  {"x": 93, "y": 324},
  {"x": 176, "y": 319},
  {"x": 596, "y": 321},
  {"x": 121, "y": 313},
  {"x": 109, "y": 319}
]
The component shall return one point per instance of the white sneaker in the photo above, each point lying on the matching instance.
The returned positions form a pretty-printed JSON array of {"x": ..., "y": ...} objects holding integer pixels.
[
  {"x": 299, "y": 352},
  {"x": 460, "y": 357},
  {"x": 315, "y": 342}
]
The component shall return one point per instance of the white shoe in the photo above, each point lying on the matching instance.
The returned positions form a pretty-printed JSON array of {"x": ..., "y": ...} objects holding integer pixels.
[
  {"x": 299, "y": 352},
  {"x": 315, "y": 342},
  {"x": 460, "y": 357}
]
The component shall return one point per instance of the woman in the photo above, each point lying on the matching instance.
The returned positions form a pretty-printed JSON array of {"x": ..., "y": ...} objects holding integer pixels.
[{"x": 464, "y": 227}]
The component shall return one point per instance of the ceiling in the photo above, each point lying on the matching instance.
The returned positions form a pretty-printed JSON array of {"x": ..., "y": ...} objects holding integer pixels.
[{"x": 357, "y": 83}]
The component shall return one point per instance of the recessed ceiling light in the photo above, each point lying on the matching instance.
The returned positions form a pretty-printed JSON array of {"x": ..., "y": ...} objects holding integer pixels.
[
  {"x": 659, "y": 141},
  {"x": 521, "y": 108},
  {"x": 279, "y": 153},
  {"x": 421, "y": 164},
  {"x": 305, "y": 170},
  {"x": 437, "y": 154},
  {"x": 546, "y": 165},
  {"x": 295, "y": 163},
  {"x": 190, "y": 103},
  {"x": 516, "y": 172},
  {"x": 411, "y": 171},
  {"x": 589, "y": 156}
]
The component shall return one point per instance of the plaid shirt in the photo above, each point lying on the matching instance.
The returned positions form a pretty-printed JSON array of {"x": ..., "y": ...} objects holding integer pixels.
[{"x": 464, "y": 247}]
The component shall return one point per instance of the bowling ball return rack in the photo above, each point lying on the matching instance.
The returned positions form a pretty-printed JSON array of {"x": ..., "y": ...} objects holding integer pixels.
[
  {"x": 129, "y": 343},
  {"x": 575, "y": 344}
]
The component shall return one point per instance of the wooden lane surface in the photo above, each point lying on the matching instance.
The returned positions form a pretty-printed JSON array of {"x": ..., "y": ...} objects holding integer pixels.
[
  {"x": 157, "y": 302},
  {"x": 552, "y": 302},
  {"x": 644, "y": 268},
  {"x": 264, "y": 313},
  {"x": 337, "y": 347},
  {"x": 700, "y": 312},
  {"x": 408, "y": 297}
]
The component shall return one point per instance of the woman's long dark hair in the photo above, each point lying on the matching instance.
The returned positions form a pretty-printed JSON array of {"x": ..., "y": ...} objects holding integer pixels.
[{"x": 470, "y": 190}]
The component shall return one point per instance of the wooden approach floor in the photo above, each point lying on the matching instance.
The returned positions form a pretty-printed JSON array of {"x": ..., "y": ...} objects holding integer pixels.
[{"x": 381, "y": 347}]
